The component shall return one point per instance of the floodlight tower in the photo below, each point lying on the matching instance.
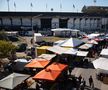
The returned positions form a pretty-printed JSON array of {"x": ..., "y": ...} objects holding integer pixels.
[
  {"x": 94, "y": 2},
  {"x": 8, "y": 5}
]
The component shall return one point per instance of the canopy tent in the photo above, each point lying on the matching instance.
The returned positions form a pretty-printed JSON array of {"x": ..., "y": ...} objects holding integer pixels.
[
  {"x": 104, "y": 52},
  {"x": 47, "y": 56},
  {"x": 11, "y": 81},
  {"x": 82, "y": 53},
  {"x": 37, "y": 64},
  {"x": 64, "y": 29},
  {"x": 57, "y": 49},
  {"x": 47, "y": 74},
  {"x": 101, "y": 63},
  {"x": 57, "y": 66},
  {"x": 92, "y": 42},
  {"x": 86, "y": 46},
  {"x": 65, "y": 32},
  {"x": 72, "y": 42},
  {"x": 71, "y": 51}
]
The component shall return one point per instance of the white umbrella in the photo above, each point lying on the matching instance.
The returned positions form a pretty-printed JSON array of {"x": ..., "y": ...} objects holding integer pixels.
[
  {"x": 72, "y": 42},
  {"x": 13, "y": 80},
  {"x": 71, "y": 51}
]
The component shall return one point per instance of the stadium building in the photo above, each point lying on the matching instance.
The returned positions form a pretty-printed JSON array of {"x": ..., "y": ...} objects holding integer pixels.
[{"x": 47, "y": 20}]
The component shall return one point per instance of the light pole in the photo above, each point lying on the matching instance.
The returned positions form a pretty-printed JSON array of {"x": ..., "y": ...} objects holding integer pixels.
[{"x": 8, "y": 5}]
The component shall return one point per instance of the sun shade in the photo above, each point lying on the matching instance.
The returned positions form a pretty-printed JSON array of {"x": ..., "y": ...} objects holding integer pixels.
[
  {"x": 72, "y": 42},
  {"x": 47, "y": 74},
  {"x": 37, "y": 64},
  {"x": 57, "y": 66}
]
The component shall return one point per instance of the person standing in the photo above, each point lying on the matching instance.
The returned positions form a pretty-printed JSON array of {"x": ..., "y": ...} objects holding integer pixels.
[
  {"x": 79, "y": 79},
  {"x": 91, "y": 81}
]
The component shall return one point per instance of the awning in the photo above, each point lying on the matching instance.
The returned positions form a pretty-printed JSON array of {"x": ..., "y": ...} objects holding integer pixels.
[
  {"x": 82, "y": 53},
  {"x": 57, "y": 49}
]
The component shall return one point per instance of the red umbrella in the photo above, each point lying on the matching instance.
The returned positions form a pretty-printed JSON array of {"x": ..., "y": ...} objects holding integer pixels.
[
  {"x": 57, "y": 66},
  {"x": 47, "y": 74},
  {"x": 37, "y": 64}
]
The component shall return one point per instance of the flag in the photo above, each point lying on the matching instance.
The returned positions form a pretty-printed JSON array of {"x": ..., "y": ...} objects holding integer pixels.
[
  {"x": 73, "y": 6},
  {"x": 46, "y": 5},
  {"x": 60, "y": 6},
  {"x": 52, "y": 9},
  {"x": 94, "y": 1},
  {"x": 31, "y": 5},
  {"x": 14, "y": 4}
]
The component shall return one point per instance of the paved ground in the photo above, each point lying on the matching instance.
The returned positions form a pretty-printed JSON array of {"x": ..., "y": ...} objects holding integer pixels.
[{"x": 86, "y": 74}]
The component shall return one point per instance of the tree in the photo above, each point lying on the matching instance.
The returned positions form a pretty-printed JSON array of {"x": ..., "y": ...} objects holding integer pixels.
[
  {"x": 94, "y": 10},
  {"x": 6, "y": 49},
  {"x": 3, "y": 35},
  {"x": 84, "y": 8}
]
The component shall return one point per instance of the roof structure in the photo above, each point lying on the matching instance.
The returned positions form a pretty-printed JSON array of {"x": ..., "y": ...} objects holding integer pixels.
[{"x": 64, "y": 14}]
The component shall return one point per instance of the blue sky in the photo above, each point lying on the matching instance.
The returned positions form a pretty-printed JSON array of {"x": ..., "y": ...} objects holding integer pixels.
[{"x": 40, "y": 5}]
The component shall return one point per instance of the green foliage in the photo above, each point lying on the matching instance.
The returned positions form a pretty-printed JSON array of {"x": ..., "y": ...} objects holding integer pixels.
[
  {"x": 3, "y": 35},
  {"x": 94, "y": 10},
  {"x": 6, "y": 49}
]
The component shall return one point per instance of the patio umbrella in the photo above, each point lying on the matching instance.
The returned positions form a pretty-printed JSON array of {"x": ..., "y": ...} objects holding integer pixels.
[
  {"x": 57, "y": 66},
  {"x": 37, "y": 64},
  {"x": 71, "y": 42},
  {"x": 47, "y": 74},
  {"x": 11, "y": 81}
]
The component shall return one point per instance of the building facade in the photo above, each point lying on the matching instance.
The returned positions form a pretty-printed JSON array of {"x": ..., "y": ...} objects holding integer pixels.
[{"x": 49, "y": 20}]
